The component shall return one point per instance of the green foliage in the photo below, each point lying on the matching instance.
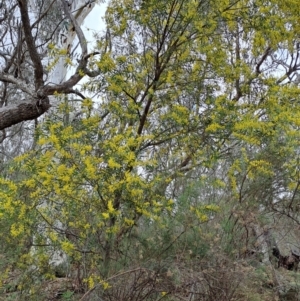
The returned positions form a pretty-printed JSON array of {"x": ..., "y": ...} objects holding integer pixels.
[{"x": 194, "y": 128}]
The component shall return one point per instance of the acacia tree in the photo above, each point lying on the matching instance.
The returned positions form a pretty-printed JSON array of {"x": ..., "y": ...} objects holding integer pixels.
[{"x": 183, "y": 90}]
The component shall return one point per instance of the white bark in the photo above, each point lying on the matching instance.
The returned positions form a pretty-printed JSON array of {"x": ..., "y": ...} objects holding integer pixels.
[{"x": 66, "y": 38}]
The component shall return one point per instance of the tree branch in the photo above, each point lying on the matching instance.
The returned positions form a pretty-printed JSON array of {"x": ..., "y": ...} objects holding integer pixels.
[
  {"x": 14, "y": 114},
  {"x": 34, "y": 55},
  {"x": 22, "y": 85}
]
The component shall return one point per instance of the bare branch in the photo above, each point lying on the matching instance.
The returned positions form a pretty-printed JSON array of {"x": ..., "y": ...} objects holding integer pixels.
[
  {"x": 14, "y": 114},
  {"x": 22, "y": 85},
  {"x": 34, "y": 55}
]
